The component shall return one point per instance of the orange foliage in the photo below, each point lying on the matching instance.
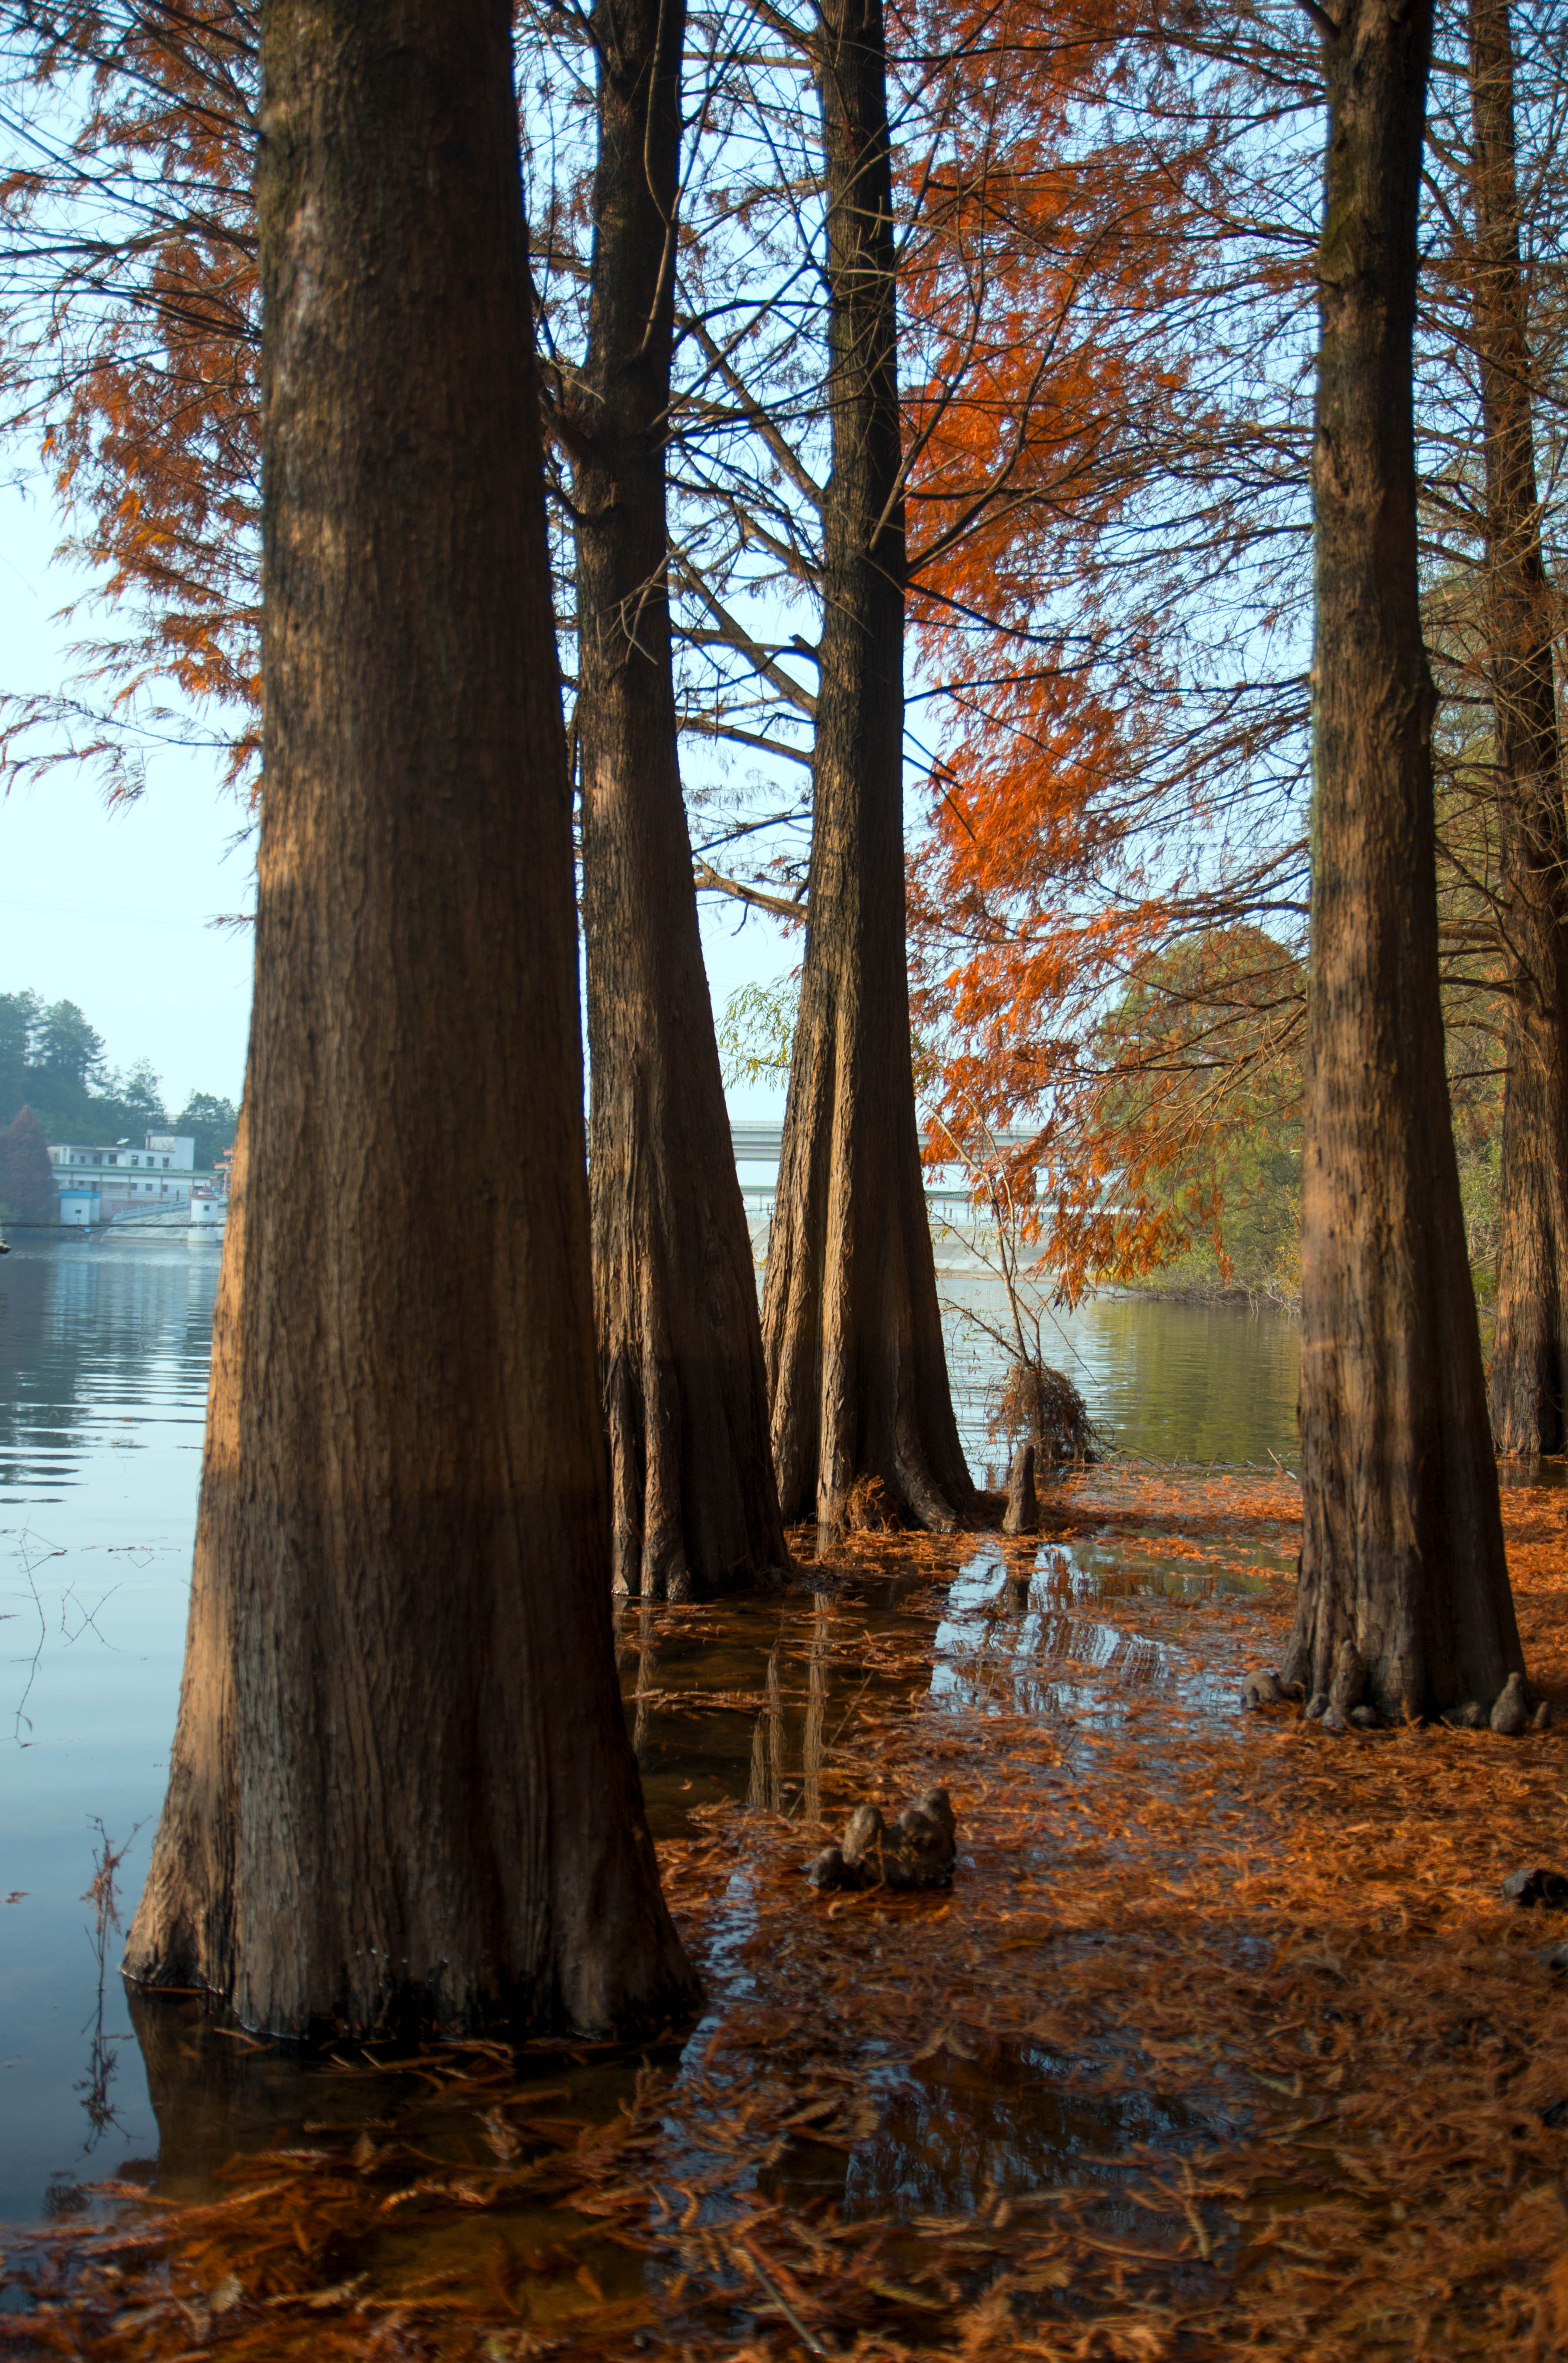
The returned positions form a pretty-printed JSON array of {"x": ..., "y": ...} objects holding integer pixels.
[
  {"x": 1067, "y": 490},
  {"x": 130, "y": 312}
]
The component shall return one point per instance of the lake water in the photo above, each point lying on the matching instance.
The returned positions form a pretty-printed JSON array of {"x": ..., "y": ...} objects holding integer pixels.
[{"x": 103, "y": 1351}]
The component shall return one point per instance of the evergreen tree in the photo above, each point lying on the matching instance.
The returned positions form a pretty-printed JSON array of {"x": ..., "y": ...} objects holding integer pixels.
[
  {"x": 210, "y": 1123},
  {"x": 18, "y": 1021},
  {"x": 27, "y": 1178},
  {"x": 67, "y": 1048},
  {"x": 141, "y": 1096}
]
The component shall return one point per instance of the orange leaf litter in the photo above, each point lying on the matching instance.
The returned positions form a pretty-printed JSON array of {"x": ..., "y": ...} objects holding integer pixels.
[{"x": 1222, "y": 2043}]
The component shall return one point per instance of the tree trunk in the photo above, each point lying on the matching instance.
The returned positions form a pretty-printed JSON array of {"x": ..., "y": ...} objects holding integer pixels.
[
  {"x": 400, "y": 1789},
  {"x": 851, "y": 1329},
  {"x": 695, "y": 1508},
  {"x": 1402, "y": 1553},
  {"x": 1529, "y": 1361}
]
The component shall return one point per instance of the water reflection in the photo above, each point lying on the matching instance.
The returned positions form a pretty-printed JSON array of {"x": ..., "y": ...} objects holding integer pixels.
[
  {"x": 103, "y": 1351},
  {"x": 746, "y": 1699},
  {"x": 966, "y": 2128},
  {"x": 93, "y": 1341},
  {"x": 1013, "y": 1637},
  {"x": 775, "y": 1786},
  {"x": 765, "y": 1790},
  {"x": 103, "y": 1932},
  {"x": 217, "y": 2093},
  {"x": 1173, "y": 1381},
  {"x": 742, "y": 1701}
]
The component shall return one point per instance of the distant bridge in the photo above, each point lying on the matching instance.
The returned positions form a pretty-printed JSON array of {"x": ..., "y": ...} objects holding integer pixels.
[
  {"x": 960, "y": 1233},
  {"x": 759, "y": 1144}
]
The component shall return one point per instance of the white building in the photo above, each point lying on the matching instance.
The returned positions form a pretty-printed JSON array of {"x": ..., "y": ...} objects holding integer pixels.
[{"x": 107, "y": 1185}]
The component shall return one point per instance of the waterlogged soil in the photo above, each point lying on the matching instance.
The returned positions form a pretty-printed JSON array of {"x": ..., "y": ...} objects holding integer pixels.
[{"x": 1222, "y": 2042}]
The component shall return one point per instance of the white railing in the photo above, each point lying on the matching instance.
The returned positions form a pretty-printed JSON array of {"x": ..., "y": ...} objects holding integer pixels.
[{"x": 149, "y": 1217}]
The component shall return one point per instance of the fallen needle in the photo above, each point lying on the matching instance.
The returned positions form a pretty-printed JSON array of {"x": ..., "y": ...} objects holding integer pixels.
[{"x": 808, "y": 2339}]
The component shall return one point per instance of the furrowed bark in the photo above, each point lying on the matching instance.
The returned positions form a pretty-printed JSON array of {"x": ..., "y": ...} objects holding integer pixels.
[
  {"x": 851, "y": 1328},
  {"x": 695, "y": 1507},
  {"x": 400, "y": 1789},
  {"x": 1529, "y": 1389},
  {"x": 1402, "y": 1552}
]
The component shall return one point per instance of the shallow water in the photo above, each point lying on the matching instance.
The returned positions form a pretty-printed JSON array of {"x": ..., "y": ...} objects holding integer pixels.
[
  {"x": 103, "y": 1351},
  {"x": 1172, "y": 1381}
]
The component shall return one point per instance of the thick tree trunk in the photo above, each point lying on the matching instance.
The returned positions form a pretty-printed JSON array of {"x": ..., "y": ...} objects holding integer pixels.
[
  {"x": 680, "y": 1349},
  {"x": 401, "y": 1787},
  {"x": 1529, "y": 1361},
  {"x": 850, "y": 1324},
  {"x": 1402, "y": 1556}
]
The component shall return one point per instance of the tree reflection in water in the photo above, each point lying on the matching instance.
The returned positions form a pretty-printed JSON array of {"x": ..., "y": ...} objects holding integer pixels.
[
  {"x": 103, "y": 2058},
  {"x": 965, "y": 2129}
]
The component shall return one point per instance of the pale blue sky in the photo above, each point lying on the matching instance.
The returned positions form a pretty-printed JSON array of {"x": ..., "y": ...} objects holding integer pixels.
[{"x": 113, "y": 909}]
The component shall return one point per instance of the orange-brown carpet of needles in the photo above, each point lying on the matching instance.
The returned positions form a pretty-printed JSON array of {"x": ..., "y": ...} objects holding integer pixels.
[{"x": 1223, "y": 2042}]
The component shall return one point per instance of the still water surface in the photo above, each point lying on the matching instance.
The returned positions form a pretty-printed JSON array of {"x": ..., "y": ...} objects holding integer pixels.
[{"x": 104, "y": 1353}]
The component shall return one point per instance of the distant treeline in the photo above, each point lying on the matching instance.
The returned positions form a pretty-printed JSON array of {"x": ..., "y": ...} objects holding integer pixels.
[{"x": 52, "y": 1061}]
